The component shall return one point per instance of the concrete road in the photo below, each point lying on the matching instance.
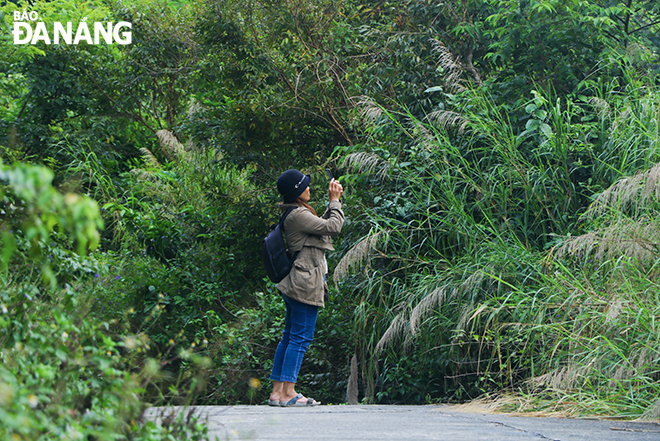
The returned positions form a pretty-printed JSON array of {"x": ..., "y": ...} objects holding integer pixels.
[{"x": 383, "y": 423}]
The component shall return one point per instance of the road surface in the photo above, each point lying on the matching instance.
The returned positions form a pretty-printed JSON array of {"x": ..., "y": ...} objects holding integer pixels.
[{"x": 384, "y": 423}]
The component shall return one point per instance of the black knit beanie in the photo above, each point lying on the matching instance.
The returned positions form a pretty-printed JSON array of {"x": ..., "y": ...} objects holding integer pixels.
[{"x": 291, "y": 184}]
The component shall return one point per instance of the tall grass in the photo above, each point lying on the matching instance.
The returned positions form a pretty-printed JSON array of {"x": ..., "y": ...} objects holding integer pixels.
[{"x": 457, "y": 268}]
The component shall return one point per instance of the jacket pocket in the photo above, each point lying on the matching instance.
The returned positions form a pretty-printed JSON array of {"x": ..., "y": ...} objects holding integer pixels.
[{"x": 306, "y": 280}]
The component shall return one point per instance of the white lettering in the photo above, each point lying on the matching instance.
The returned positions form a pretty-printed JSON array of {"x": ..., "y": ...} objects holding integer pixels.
[
  {"x": 34, "y": 16},
  {"x": 18, "y": 31},
  {"x": 126, "y": 37},
  {"x": 40, "y": 33},
  {"x": 99, "y": 31},
  {"x": 83, "y": 29},
  {"x": 61, "y": 32},
  {"x": 106, "y": 32}
]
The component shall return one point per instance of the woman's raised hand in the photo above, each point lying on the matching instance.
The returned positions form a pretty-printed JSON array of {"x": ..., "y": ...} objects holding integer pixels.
[{"x": 335, "y": 190}]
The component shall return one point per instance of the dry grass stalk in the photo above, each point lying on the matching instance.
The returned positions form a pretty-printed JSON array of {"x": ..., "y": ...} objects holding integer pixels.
[
  {"x": 352, "y": 387},
  {"x": 516, "y": 404}
]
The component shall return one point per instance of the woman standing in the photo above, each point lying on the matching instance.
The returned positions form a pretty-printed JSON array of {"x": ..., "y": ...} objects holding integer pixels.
[{"x": 304, "y": 289}]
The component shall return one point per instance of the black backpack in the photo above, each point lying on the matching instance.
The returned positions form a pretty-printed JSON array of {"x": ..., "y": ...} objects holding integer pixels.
[{"x": 274, "y": 252}]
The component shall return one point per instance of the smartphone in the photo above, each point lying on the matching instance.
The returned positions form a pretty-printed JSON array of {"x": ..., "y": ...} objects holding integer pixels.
[{"x": 329, "y": 173}]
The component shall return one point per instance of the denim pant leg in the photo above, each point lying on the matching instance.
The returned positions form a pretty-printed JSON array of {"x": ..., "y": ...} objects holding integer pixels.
[
  {"x": 300, "y": 323},
  {"x": 276, "y": 372}
]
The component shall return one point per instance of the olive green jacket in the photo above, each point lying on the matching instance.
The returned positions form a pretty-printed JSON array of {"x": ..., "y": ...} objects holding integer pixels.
[{"x": 309, "y": 236}]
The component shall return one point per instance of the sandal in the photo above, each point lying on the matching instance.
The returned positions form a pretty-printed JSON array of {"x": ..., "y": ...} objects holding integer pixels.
[
  {"x": 274, "y": 403},
  {"x": 293, "y": 402}
]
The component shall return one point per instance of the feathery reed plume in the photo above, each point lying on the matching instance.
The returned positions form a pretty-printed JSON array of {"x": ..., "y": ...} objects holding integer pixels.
[
  {"x": 567, "y": 377},
  {"x": 141, "y": 174},
  {"x": 367, "y": 162},
  {"x": 431, "y": 302},
  {"x": 393, "y": 331},
  {"x": 644, "y": 358},
  {"x": 171, "y": 146},
  {"x": 464, "y": 318},
  {"x": 149, "y": 158},
  {"x": 358, "y": 256},
  {"x": 451, "y": 64},
  {"x": 640, "y": 187},
  {"x": 601, "y": 106},
  {"x": 637, "y": 237},
  {"x": 369, "y": 109},
  {"x": 613, "y": 310},
  {"x": 194, "y": 107},
  {"x": 622, "y": 120},
  {"x": 447, "y": 118},
  {"x": 421, "y": 130}
]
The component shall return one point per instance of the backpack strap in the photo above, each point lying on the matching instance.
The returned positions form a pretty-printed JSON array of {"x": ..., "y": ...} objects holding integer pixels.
[{"x": 286, "y": 213}]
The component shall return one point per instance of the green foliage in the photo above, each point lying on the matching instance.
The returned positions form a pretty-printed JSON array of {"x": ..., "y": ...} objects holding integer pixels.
[
  {"x": 64, "y": 374},
  {"x": 189, "y": 216},
  {"x": 455, "y": 267},
  {"x": 243, "y": 352},
  {"x": 472, "y": 136},
  {"x": 31, "y": 206},
  {"x": 562, "y": 42},
  {"x": 243, "y": 349},
  {"x": 61, "y": 375}
]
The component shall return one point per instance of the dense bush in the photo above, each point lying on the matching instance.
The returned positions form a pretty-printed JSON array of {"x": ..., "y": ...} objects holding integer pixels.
[
  {"x": 65, "y": 373},
  {"x": 459, "y": 267}
]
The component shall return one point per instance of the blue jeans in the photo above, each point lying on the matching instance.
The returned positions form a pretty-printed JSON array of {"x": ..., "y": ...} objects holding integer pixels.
[{"x": 299, "y": 326}]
